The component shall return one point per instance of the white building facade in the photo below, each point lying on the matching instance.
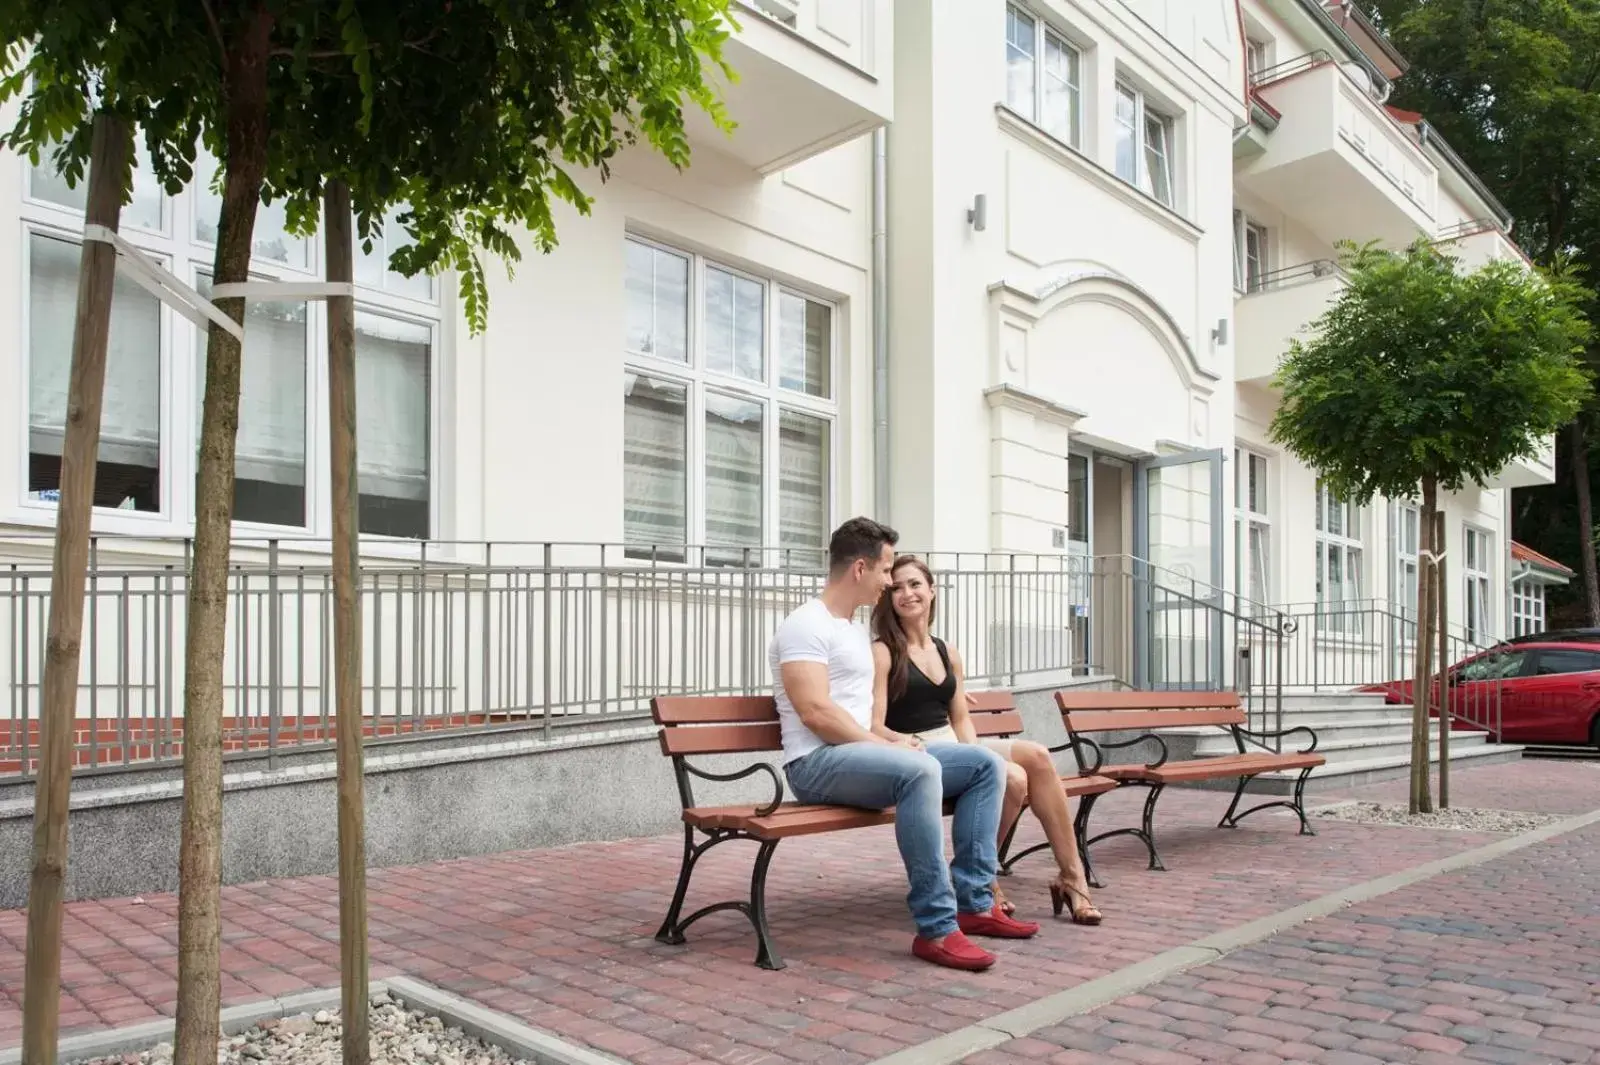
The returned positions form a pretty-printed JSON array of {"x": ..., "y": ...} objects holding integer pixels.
[{"x": 1042, "y": 324}]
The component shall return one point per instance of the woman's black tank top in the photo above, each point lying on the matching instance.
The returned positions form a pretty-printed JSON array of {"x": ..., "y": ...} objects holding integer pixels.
[{"x": 923, "y": 705}]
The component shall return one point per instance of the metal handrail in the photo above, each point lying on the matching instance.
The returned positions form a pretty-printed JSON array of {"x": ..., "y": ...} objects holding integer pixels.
[{"x": 1287, "y": 276}]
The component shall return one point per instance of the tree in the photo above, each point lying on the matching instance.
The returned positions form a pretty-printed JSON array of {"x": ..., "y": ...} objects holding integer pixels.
[
  {"x": 465, "y": 112},
  {"x": 1421, "y": 378},
  {"x": 1514, "y": 86}
]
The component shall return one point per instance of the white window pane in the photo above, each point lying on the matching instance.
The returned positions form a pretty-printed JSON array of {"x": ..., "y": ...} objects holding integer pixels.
[
  {"x": 270, "y": 242},
  {"x": 1260, "y": 563},
  {"x": 372, "y": 268},
  {"x": 1258, "y": 484},
  {"x": 1127, "y": 160},
  {"x": 128, "y": 475},
  {"x": 655, "y": 469},
  {"x": 733, "y": 473},
  {"x": 658, "y": 302},
  {"x": 393, "y": 414},
  {"x": 270, "y": 462},
  {"x": 1060, "y": 115},
  {"x": 144, "y": 211},
  {"x": 805, "y": 345},
  {"x": 1158, "y": 158},
  {"x": 735, "y": 324},
  {"x": 803, "y": 482},
  {"x": 1021, "y": 49}
]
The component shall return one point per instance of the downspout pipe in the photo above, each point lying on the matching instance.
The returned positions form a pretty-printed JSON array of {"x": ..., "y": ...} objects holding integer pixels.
[{"x": 880, "y": 323}]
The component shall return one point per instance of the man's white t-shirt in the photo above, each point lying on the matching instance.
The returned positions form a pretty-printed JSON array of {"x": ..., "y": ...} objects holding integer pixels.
[{"x": 813, "y": 634}]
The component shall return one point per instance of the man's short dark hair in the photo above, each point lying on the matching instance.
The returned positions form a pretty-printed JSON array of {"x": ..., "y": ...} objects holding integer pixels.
[{"x": 859, "y": 538}]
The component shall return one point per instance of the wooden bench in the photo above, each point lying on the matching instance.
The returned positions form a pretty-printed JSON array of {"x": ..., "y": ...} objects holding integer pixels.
[
  {"x": 708, "y": 725},
  {"x": 1086, "y": 714}
]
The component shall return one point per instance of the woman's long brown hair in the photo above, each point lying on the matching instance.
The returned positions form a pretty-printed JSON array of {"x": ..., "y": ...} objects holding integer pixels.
[{"x": 886, "y": 623}]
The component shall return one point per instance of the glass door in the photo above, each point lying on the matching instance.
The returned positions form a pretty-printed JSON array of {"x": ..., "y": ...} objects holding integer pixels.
[{"x": 1178, "y": 543}]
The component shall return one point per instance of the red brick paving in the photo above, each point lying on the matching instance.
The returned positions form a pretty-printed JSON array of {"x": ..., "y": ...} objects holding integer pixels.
[
  {"x": 562, "y": 938},
  {"x": 1496, "y": 963}
]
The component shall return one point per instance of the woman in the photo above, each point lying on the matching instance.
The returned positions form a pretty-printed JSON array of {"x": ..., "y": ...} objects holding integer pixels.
[{"x": 920, "y": 694}]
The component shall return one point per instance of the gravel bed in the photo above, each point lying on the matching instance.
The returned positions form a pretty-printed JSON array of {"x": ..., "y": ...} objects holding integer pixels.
[
  {"x": 1509, "y": 822},
  {"x": 400, "y": 1036}
]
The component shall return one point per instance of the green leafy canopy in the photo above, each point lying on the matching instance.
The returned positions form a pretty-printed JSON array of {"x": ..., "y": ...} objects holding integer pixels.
[
  {"x": 470, "y": 116},
  {"x": 1420, "y": 371}
]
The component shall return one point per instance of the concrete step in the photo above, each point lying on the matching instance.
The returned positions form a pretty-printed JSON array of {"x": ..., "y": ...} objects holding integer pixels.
[
  {"x": 1324, "y": 699},
  {"x": 1334, "y": 715},
  {"x": 1341, "y": 748},
  {"x": 1355, "y": 772}
]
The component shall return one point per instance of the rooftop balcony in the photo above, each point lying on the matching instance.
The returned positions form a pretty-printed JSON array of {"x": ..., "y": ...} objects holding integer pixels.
[
  {"x": 1336, "y": 161},
  {"x": 812, "y": 74},
  {"x": 1538, "y": 469},
  {"x": 1277, "y": 308}
]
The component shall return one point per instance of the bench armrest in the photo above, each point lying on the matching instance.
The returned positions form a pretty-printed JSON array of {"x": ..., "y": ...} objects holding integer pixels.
[
  {"x": 1077, "y": 743},
  {"x": 1269, "y": 734},
  {"x": 777, "y": 782}
]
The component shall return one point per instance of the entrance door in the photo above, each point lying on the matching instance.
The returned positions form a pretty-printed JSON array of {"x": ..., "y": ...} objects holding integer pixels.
[{"x": 1178, "y": 620}]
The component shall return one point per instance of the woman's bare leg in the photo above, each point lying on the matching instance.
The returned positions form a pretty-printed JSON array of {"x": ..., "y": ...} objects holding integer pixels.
[{"x": 1050, "y": 806}]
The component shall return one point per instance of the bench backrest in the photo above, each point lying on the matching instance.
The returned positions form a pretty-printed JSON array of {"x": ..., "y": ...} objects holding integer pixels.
[
  {"x": 742, "y": 724},
  {"x": 994, "y": 715},
  {"x": 1096, "y": 711},
  {"x": 716, "y": 724}
]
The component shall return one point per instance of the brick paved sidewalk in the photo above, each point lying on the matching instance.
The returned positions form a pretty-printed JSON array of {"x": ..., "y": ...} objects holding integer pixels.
[
  {"x": 562, "y": 938},
  {"x": 1495, "y": 963}
]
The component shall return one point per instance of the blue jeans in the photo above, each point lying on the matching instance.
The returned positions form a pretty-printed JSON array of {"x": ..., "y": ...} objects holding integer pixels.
[{"x": 916, "y": 783}]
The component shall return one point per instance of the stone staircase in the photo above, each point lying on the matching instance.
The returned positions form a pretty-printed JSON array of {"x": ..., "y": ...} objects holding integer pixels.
[{"x": 1363, "y": 739}]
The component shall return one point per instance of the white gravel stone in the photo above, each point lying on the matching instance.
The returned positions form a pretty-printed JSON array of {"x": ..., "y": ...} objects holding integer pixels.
[
  {"x": 400, "y": 1036},
  {"x": 1509, "y": 822}
]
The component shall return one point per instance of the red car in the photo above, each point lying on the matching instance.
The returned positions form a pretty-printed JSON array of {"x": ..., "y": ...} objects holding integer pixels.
[{"x": 1538, "y": 691}]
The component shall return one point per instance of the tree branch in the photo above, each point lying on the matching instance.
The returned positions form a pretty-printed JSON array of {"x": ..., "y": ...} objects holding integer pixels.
[
  {"x": 216, "y": 30},
  {"x": 339, "y": 53}
]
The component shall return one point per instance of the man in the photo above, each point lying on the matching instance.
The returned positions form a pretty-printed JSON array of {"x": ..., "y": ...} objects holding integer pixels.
[{"x": 822, "y": 677}]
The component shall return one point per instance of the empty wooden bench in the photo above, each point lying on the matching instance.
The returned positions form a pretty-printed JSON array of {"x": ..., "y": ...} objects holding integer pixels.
[
  {"x": 1088, "y": 714},
  {"x": 710, "y": 725}
]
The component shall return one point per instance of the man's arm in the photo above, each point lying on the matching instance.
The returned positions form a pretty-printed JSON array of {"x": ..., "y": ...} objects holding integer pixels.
[{"x": 807, "y": 686}]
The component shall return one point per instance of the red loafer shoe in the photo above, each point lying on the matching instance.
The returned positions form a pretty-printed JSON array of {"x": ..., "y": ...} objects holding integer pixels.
[
  {"x": 996, "y": 923},
  {"x": 955, "y": 951}
]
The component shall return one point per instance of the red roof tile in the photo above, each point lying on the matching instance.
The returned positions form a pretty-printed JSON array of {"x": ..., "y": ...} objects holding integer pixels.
[{"x": 1524, "y": 553}]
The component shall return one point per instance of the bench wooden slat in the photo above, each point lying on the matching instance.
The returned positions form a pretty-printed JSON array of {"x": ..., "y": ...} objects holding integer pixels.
[
  {"x": 712, "y": 709},
  {"x": 992, "y": 702},
  {"x": 1142, "y": 700},
  {"x": 1001, "y": 723},
  {"x": 1147, "y": 720},
  {"x": 721, "y": 739},
  {"x": 1234, "y": 765}
]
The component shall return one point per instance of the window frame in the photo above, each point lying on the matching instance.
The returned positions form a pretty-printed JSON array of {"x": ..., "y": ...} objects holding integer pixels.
[
  {"x": 698, "y": 379},
  {"x": 1142, "y": 114},
  {"x": 1244, "y": 228},
  {"x": 1246, "y": 519},
  {"x": 178, "y": 249},
  {"x": 1479, "y": 578},
  {"x": 1349, "y": 545},
  {"x": 1044, "y": 33},
  {"x": 1527, "y": 607}
]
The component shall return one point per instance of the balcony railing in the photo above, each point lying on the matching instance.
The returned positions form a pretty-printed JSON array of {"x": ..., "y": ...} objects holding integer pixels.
[{"x": 1287, "y": 276}]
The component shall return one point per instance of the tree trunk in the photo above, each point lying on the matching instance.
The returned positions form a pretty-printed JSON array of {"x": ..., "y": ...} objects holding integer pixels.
[
  {"x": 1579, "y": 447},
  {"x": 1422, "y": 673},
  {"x": 80, "y": 451},
  {"x": 200, "y": 845},
  {"x": 1443, "y": 599},
  {"x": 340, "y": 253}
]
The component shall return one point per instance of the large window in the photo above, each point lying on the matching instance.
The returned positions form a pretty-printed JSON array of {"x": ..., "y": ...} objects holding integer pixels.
[
  {"x": 1252, "y": 529},
  {"x": 728, "y": 410},
  {"x": 1339, "y": 562},
  {"x": 1477, "y": 570},
  {"x": 156, "y": 372},
  {"x": 1144, "y": 144},
  {"x": 1044, "y": 76},
  {"x": 1407, "y": 560}
]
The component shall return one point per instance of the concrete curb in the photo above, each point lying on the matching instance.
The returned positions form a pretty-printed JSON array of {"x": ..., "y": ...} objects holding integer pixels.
[
  {"x": 497, "y": 1029},
  {"x": 1053, "y": 1009}
]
